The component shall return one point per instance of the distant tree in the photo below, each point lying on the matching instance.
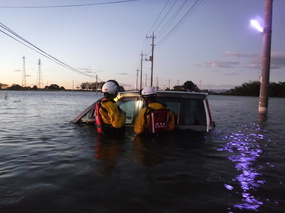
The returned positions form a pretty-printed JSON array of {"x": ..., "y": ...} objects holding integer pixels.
[
  {"x": 246, "y": 89},
  {"x": 3, "y": 86},
  {"x": 277, "y": 89},
  {"x": 187, "y": 86},
  {"x": 83, "y": 86},
  {"x": 54, "y": 87},
  {"x": 91, "y": 85},
  {"x": 178, "y": 88},
  {"x": 190, "y": 86},
  {"x": 252, "y": 88},
  {"x": 15, "y": 87}
]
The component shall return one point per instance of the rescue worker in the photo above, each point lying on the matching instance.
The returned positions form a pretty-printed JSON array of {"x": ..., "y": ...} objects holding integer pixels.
[
  {"x": 109, "y": 118},
  {"x": 142, "y": 121}
]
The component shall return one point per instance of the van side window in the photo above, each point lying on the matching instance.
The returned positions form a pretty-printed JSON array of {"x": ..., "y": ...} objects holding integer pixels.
[
  {"x": 194, "y": 112},
  {"x": 173, "y": 104}
]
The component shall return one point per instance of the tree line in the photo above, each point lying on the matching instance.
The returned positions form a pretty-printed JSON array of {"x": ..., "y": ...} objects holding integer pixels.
[
  {"x": 252, "y": 88},
  {"x": 18, "y": 87}
]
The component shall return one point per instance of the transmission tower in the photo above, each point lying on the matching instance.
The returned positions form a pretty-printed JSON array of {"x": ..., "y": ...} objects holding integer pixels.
[
  {"x": 24, "y": 73},
  {"x": 39, "y": 76}
]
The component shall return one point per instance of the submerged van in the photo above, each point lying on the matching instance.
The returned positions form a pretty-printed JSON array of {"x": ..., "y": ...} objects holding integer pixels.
[{"x": 191, "y": 109}]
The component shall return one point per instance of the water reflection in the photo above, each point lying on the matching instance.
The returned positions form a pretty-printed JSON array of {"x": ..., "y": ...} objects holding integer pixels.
[
  {"x": 245, "y": 149},
  {"x": 107, "y": 151},
  {"x": 149, "y": 150}
]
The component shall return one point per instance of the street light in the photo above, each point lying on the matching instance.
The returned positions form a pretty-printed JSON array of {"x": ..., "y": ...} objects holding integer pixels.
[
  {"x": 256, "y": 25},
  {"x": 265, "y": 69}
]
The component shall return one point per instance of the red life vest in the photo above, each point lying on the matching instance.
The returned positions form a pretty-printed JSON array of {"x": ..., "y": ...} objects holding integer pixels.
[
  {"x": 158, "y": 119},
  {"x": 98, "y": 118}
]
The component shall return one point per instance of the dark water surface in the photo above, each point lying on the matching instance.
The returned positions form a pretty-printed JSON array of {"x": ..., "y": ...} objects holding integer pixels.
[{"x": 48, "y": 164}]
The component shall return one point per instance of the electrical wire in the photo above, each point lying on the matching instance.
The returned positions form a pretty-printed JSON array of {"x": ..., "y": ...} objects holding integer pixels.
[
  {"x": 166, "y": 15},
  {"x": 10, "y": 33},
  {"x": 144, "y": 46},
  {"x": 158, "y": 17},
  {"x": 60, "y": 6},
  {"x": 191, "y": 10},
  {"x": 172, "y": 24},
  {"x": 162, "y": 30},
  {"x": 281, "y": 13}
]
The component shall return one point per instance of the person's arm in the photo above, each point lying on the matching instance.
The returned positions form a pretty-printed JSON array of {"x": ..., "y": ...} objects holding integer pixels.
[
  {"x": 116, "y": 118},
  {"x": 139, "y": 125},
  {"x": 172, "y": 122}
]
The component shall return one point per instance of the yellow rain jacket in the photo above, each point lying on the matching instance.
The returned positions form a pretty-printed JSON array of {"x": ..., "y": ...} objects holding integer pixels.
[
  {"x": 112, "y": 114},
  {"x": 141, "y": 123}
]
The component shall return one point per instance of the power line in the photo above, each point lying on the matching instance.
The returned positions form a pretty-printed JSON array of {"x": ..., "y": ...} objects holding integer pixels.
[
  {"x": 172, "y": 18},
  {"x": 28, "y": 44},
  {"x": 165, "y": 31},
  {"x": 166, "y": 14},
  {"x": 166, "y": 34},
  {"x": 62, "y": 6},
  {"x": 191, "y": 10},
  {"x": 158, "y": 17}
]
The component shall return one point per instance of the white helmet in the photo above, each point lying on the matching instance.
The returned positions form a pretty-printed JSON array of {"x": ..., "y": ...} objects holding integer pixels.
[
  {"x": 110, "y": 87},
  {"x": 148, "y": 92}
]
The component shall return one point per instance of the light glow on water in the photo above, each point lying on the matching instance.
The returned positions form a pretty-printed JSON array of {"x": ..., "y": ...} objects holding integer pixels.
[{"x": 245, "y": 150}]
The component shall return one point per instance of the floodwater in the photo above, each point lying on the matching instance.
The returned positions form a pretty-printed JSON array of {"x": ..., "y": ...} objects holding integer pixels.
[{"x": 48, "y": 164}]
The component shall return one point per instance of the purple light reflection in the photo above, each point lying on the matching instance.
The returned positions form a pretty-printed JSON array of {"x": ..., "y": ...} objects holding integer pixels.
[{"x": 245, "y": 151}]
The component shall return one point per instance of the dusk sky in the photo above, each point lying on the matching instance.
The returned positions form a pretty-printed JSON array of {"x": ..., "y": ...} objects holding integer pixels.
[{"x": 209, "y": 42}]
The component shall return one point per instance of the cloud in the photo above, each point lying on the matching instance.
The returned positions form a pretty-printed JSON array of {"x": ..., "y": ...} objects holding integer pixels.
[
  {"x": 255, "y": 61},
  {"x": 277, "y": 60},
  {"x": 221, "y": 64},
  {"x": 88, "y": 70},
  {"x": 231, "y": 74},
  {"x": 17, "y": 70},
  {"x": 239, "y": 55},
  {"x": 123, "y": 73},
  {"x": 218, "y": 86}
]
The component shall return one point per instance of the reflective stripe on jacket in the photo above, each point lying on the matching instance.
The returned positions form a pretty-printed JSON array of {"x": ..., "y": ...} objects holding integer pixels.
[
  {"x": 112, "y": 114},
  {"x": 141, "y": 124}
]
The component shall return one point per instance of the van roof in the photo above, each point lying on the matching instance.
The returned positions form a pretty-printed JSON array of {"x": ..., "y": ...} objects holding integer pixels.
[{"x": 181, "y": 94}]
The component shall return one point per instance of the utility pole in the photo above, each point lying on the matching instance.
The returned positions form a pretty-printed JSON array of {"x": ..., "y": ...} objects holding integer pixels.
[
  {"x": 264, "y": 79},
  {"x": 156, "y": 82},
  {"x": 137, "y": 79},
  {"x": 142, "y": 55},
  {"x": 151, "y": 57},
  {"x": 24, "y": 73},
  {"x": 40, "y": 78},
  {"x": 145, "y": 81},
  {"x": 96, "y": 82}
]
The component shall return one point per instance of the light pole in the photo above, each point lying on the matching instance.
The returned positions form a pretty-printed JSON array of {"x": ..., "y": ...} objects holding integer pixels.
[{"x": 265, "y": 69}]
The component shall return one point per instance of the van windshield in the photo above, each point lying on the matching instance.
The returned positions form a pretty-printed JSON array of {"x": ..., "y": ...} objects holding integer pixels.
[{"x": 128, "y": 105}]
